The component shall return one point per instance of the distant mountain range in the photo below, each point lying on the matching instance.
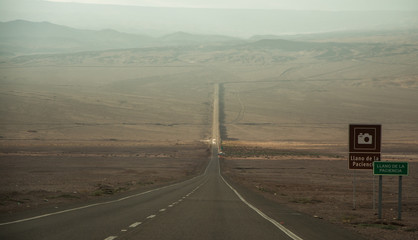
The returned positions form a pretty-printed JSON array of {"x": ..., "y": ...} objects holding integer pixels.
[
  {"x": 30, "y": 42},
  {"x": 23, "y": 37}
]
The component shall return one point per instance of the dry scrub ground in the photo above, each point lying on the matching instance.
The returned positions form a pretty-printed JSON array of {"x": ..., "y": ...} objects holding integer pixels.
[
  {"x": 320, "y": 184},
  {"x": 39, "y": 174},
  {"x": 108, "y": 107}
]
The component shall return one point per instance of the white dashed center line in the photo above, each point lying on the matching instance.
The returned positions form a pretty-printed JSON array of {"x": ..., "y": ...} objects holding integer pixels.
[
  {"x": 135, "y": 224},
  {"x": 111, "y": 238}
]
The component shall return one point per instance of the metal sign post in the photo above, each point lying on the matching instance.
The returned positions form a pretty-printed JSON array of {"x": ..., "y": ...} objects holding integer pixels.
[
  {"x": 364, "y": 149},
  {"x": 379, "y": 204},
  {"x": 400, "y": 198},
  {"x": 354, "y": 190},
  {"x": 374, "y": 193},
  {"x": 391, "y": 168}
]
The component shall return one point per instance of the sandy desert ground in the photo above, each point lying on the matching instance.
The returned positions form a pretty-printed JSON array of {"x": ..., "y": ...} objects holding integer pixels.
[
  {"x": 46, "y": 174},
  {"x": 320, "y": 184},
  {"x": 286, "y": 137},
  {"x": 111, "y": 121}
]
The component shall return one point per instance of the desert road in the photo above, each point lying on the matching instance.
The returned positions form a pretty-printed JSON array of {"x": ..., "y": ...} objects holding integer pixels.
[{"x": 204, "y": 207}]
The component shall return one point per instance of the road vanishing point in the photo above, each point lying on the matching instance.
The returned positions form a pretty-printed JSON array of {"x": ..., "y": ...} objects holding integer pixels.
[{"x": 204, "y": 207}]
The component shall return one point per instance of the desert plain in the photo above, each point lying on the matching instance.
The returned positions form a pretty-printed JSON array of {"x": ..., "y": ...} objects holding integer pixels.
[{"x": 80, "y": 127}]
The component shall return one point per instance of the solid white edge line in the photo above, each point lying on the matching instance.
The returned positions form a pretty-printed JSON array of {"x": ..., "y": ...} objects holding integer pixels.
[
  {"x": 83, "y": 207},
  {"x": 103, "y": 203},
  {"x": 274, "y": 222}
]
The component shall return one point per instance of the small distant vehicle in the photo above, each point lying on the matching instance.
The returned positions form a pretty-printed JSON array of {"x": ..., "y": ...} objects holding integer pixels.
[{"x": 221, "y": 154}]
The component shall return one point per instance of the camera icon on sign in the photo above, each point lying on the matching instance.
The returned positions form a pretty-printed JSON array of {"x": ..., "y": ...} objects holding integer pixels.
[{"x": 364, "y": 138}]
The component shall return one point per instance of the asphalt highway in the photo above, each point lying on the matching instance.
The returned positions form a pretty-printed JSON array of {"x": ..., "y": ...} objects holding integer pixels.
[{"x": 207, "y": 206}]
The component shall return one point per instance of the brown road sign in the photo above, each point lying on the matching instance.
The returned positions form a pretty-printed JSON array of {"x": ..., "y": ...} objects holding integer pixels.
[
  {"x": 365, "y": 138},
  {"x": 364, "y": 145}
]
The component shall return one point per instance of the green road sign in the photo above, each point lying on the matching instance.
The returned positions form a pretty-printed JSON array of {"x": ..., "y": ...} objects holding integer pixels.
[{"x": 390, "y": 168}]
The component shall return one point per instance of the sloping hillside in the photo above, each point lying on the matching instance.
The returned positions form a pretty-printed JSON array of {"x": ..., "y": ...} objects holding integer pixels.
[{"x": 23, "y": 37}]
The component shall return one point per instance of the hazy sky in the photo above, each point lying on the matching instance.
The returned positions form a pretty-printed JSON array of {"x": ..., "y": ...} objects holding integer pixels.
[
  {"x": 268, "y": 4},
  {"x": 242, "y": 18}
]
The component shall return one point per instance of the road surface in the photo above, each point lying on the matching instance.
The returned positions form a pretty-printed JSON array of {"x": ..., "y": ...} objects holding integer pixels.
[{"x": 204, "y": 207}]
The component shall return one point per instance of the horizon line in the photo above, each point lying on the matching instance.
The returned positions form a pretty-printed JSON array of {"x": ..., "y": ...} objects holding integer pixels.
[{"x": 127, "y": 4}]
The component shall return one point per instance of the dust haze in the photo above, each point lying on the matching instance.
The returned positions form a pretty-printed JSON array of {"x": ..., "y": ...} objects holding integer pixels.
[{"x": 124, "y": 103}]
